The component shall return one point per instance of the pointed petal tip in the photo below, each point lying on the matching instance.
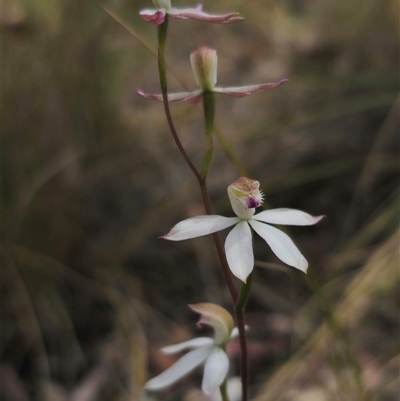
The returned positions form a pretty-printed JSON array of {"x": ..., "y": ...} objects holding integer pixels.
[
  {"x": 304, "y": 267},
  {"x": 149, "y": 96}
]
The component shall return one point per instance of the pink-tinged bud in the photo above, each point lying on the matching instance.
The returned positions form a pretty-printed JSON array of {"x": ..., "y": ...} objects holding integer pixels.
[
  {"x": 204, "y": 66},
  {"x": 218, "y": 318},
  {"x": 245, "y": 197}
]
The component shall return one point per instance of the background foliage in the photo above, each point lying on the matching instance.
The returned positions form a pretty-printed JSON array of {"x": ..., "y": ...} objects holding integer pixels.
[{"x": 91, "y": 178}]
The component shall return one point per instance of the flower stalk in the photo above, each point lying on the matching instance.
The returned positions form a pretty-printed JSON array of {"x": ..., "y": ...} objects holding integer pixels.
[
  {"x": 162, "y": 69},
  {"x": 162, "y": 72},
  {"x": 239, "y": 312},
  {"x": 224, "y": 391},
  {"x": 209, "y": 108},
  {"x": 236, "y": 256},
  {"x": 209, "y": 111}
]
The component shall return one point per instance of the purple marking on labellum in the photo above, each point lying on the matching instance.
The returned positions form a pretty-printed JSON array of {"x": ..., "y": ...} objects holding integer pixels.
[{"x": 252, "y": 203}]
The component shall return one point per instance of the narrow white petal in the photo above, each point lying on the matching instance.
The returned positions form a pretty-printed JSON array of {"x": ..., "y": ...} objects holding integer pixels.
[
  {"x": 282, "y": 246},
  {"x": 198, "y": 226},
  {"x": 239, "y": 251},
  {"x": 241, "y": 91},
  {"x": 215, "y": 370},
  {"x": 195, "y": 343},
  {"x": 291, "y": 217},
  {"x": 190, "y": 97},
  {"x": 234, "y": 388},
  {"x": 179, "y": 369},
  {"x": 197, "y": 14}
]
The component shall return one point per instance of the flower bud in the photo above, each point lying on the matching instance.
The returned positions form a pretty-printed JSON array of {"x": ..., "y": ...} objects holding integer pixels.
[
  {"x": 204, "y": 66},
  {"x": 216, "y": 317},
  {"x": 245, "y": 197}
]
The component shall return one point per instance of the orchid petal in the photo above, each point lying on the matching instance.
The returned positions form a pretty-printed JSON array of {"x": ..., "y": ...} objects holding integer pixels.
[
  {"x": 190, "y": 344},
  {"x": 153, "y": 16},
  {"x": 234, "y": 390},
  {"x": 239, "y": 251},
  {"x": 215, "y": 370},
  {"x": 197, "y": 14},
  {"x": 245, "y": 196},
  {"x": 179, "y": 369},
  {"x": 218, "y": 318},
  {"x": 241, "y": 91},
  {"x": 190, "y": 97},
  {"x": 235, "y": 333},
  {"x": 291, "y": 217},
  {"x": 280, "y": 243},
  {"x": 199, "y": 226}
]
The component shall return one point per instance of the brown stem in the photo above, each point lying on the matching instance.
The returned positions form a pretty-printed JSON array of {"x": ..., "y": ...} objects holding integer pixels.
[
  {"x": 218, "y": 243},
  {"x": 239, "y": 310}
]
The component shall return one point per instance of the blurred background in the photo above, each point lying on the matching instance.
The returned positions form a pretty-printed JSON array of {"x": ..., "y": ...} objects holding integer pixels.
[{"x": 91, "y": 178}]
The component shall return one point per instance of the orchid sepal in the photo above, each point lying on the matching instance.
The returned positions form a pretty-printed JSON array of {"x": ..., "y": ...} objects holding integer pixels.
[
  {"x": 243, "y": 91},
  {"x": 245, "y": 196},
  {"x": 209, "y": 351},
  {"x": 189, "y": 97},
  {"x": 204, "y": 67},
  {"x": 218, "y": 318},
  {"x": 157, "y": 16}
]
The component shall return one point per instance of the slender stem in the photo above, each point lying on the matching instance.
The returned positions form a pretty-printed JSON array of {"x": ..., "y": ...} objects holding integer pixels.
[
  {"x": 218, "y": 243},
  {"x": 244, "y": 368},
  {"x": 209, "y": 111},
  {"x": 162, "y": 71},
  {"x": 239, "y": 310},
  {"x": 244, "y": 293},
  {"x": 201, "y": 178},
  {"x": 224, "y": 391},
  {"x": 162, "y": 35}
]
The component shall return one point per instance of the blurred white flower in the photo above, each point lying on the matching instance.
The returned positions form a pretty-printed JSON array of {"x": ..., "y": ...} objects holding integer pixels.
[
  {"x": 164, "y": 7},
  {"x": 209, "y": 351},
  {"x": 245, "y": 196},
  {"x": 234, "y": 390},
  {"x": 204, "y": 67}
]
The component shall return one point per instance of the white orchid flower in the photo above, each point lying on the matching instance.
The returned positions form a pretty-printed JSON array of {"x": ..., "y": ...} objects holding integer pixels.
[
  {"x": 204, "y": 66},
  {"x": 234, "y": 390},
  {"x": 245, "y": 197},
  {"x": 209, "y": 351},
  {"x": 164, "y": 7}
]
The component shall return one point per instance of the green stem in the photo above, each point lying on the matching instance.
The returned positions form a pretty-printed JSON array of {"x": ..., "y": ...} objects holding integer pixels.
[
  {"x": 209, "y": 112},
  {"x": 244, "y": 293},
  {"x": 224, "y": 391},
  {"x": 239, "y": 310}
]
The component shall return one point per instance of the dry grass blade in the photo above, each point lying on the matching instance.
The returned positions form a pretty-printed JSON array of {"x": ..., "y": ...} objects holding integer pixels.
[{"x": 379, "y": 276}]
